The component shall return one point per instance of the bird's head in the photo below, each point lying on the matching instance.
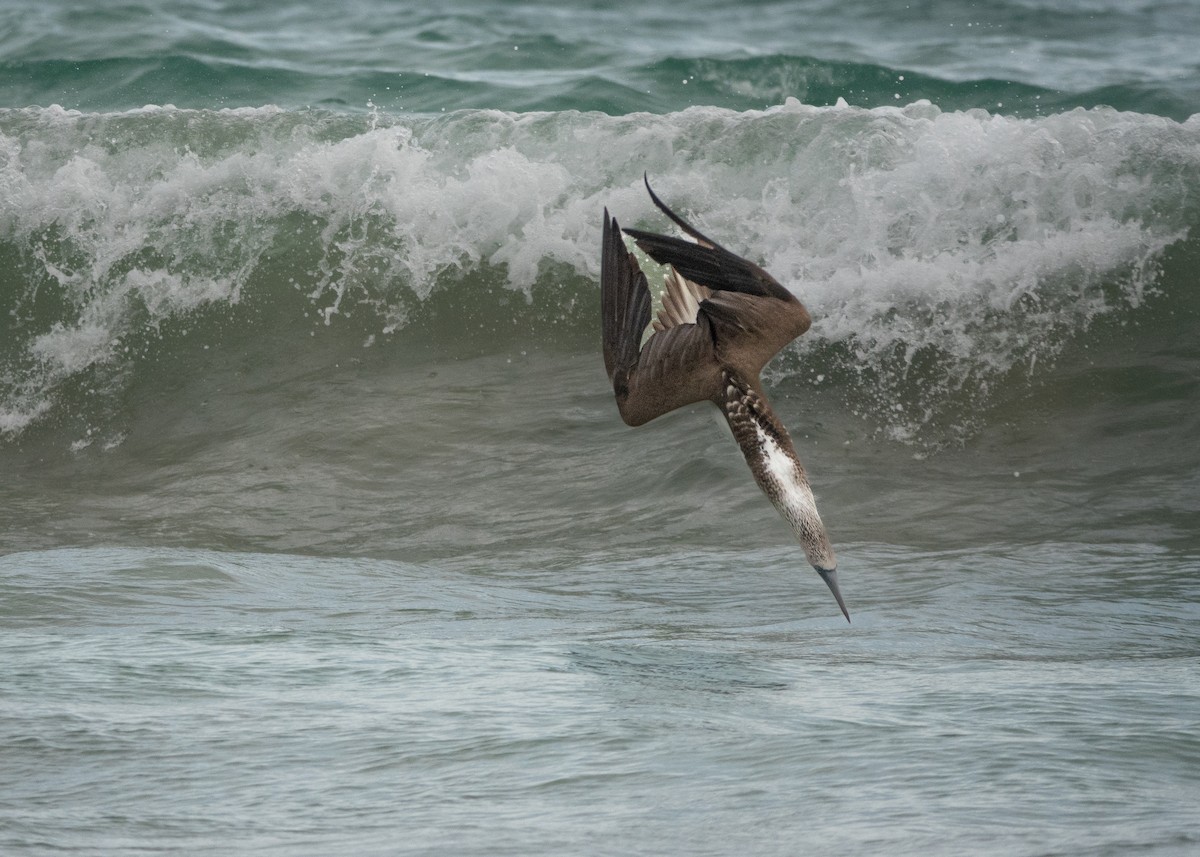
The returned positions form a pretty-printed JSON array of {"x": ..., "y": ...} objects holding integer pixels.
[{"x": 819, "y": 551}]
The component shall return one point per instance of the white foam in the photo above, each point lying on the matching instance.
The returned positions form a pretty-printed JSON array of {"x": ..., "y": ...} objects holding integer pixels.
[{"x": 901, "y": 227}]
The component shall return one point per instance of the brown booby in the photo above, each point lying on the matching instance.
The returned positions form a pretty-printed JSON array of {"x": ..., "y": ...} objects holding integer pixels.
[{"x": 723, "y": 318}]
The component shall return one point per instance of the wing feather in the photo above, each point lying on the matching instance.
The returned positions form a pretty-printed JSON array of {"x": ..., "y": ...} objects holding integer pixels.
[
  {"x": 624, "y": 299},
  {"x": 750, "y": 330},
  {"x": 719, "y": 312},
  {"x": 752, "y": 317},
  {"x": 681, "y": 301},
  {"x": 706, "y": 262},
  {"x": 675, "y": 367}
]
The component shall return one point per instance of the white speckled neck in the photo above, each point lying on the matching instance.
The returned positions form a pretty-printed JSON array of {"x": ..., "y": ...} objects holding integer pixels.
[
  {"x": 795, "y": 498},
  {"x": 777, "y": 470}
]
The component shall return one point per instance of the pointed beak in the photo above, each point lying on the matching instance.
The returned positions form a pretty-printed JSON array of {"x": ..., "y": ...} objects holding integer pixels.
[{"x": 830, "y": 578}]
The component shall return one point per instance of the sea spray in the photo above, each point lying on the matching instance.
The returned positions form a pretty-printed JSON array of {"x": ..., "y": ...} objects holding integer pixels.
[{"x": 967, "y": 243}]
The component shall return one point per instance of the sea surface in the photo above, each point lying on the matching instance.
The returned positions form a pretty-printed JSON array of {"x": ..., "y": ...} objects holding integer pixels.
[{"x": 320, "y": 533}]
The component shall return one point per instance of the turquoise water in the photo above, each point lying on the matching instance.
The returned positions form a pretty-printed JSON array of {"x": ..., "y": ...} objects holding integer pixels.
[
  {"x": 320, "y": 533},
  {"x": 619, "y": 58}
]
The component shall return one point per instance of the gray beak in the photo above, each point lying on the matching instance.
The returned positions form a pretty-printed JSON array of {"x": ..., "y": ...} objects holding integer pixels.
[{"x": 830, "y": 578}]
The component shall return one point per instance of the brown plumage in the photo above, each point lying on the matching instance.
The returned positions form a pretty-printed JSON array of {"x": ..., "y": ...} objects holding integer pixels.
[{"x": 723, "y": 318}]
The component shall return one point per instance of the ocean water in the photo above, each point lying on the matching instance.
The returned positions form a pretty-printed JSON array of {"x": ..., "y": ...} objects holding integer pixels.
[{"x": 319, "y": 530}]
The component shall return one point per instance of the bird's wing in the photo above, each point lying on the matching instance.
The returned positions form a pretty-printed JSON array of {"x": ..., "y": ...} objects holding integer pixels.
[
  {"x": 752, "y": 316},
  {"x": 676, "y": 366},
  {"x": 706, "y": 262},
  {"x": 748, "y": 331},
  {"x": 624, "y": 301},
  {"x": 681, "y": 301}
]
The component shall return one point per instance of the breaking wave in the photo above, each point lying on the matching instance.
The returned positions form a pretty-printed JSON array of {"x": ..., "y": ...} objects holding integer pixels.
[{"x": 940, "y": 251}]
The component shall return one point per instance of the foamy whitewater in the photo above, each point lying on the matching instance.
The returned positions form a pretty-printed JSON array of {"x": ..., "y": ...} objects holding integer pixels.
[
  {"x": 980, "y": 240},
  {"x": 321, "y": 532}
]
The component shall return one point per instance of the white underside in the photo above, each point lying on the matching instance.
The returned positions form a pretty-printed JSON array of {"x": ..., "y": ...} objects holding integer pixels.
[{"x": 796, "y": 501}]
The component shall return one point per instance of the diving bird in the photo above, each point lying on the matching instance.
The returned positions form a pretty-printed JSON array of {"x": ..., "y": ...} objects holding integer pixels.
[{"x": 723, "y": 318}]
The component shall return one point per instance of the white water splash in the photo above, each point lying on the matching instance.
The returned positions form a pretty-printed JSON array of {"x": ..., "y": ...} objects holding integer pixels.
[{"x": 980, "y": 236}]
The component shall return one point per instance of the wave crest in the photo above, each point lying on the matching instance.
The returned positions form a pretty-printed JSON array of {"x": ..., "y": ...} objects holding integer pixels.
[{"x": 983, "y": 239}]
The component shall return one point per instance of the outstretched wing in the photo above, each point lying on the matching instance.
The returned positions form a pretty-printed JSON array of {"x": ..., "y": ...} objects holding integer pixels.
[
  {"x": 675, "y": 367},
  {"x": 751, "y": 314}
]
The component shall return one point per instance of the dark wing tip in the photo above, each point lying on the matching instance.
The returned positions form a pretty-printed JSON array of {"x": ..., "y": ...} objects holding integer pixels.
[
  {"x": 610, "y": 222},
  {"x": 704, "y": 261},
  {"x": 624, "y": 300},
  {"x": 679, "y": 221}
]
